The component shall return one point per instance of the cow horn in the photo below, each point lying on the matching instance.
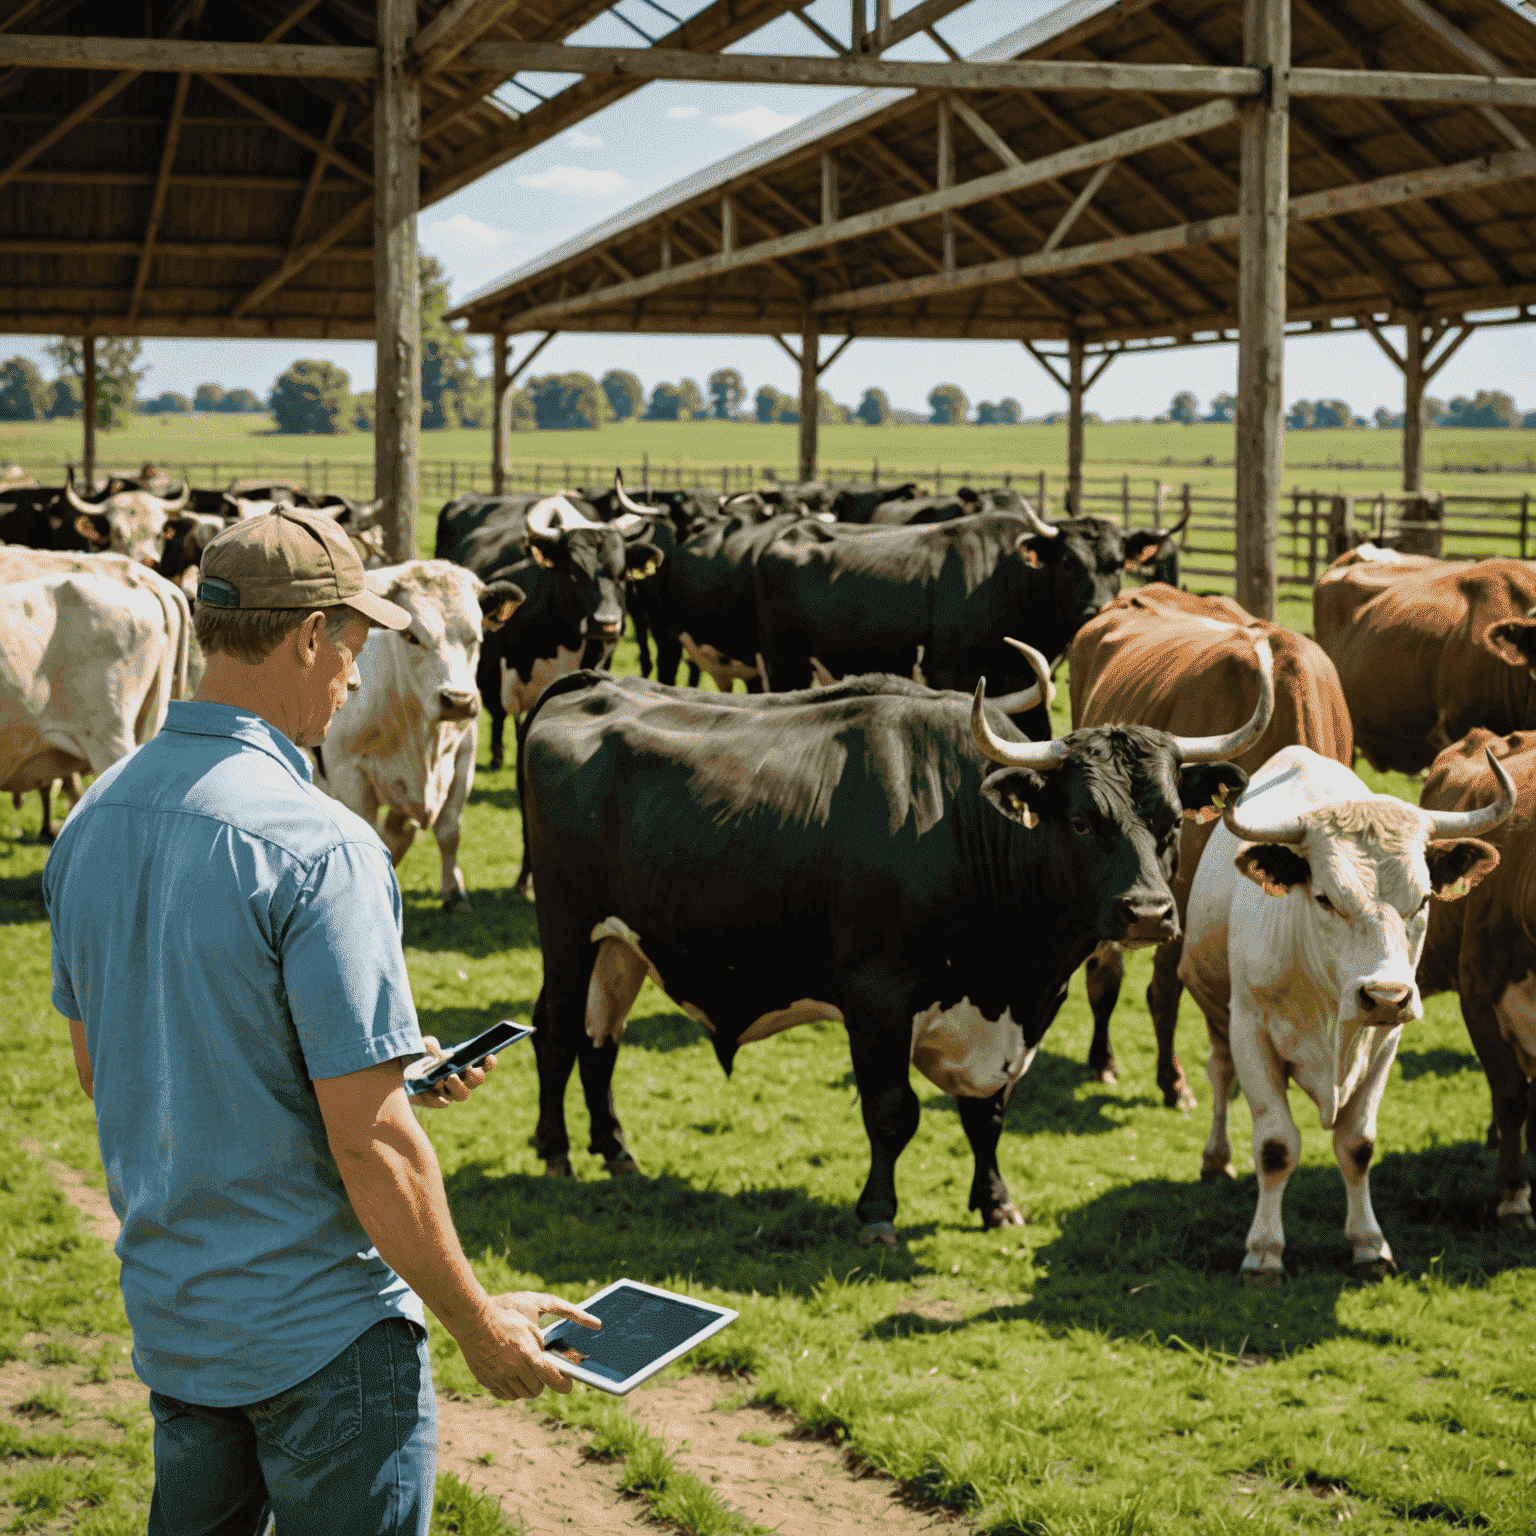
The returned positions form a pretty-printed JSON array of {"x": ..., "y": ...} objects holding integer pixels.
[
  {"x": 629, "y": 503},
  {"x": 1028, "y": 698},
  {"x": 1039, "y": 755},
  {"x": 1291, "y": 830},
  {"x": 177, "y": 504},
  {"x": 1039, "y": 528},
  {"x": 75, "y": 500},
  {"x": 1474, "y": 823},
  {"x": 1180, "y": 526},
  {"x": 549, "y": 518},
  {"x": 1214, "y": 749}
]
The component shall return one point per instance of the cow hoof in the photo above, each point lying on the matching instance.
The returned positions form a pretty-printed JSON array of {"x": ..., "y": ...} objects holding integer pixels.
[
  {"x": 1263, "y": 1279},
  {"x": 458, "y": 904},
  {"x": 879, "y": 1232},
  {"x": 1371, "y": 1271},
  {"x": 1211, "y": 1170},
  {"x": 1004, "y": 1215},
  {"x": 1106, "y": 1075},
  {"x": 495, "y": 763},
  {"x": 560, "y": 1168},
  {"x": 623, "y": 1167},
  {"x": 1517, "y": 1221},
  {"x": 1180, "y": 1096},
  {"x": 524, "y": 888}
]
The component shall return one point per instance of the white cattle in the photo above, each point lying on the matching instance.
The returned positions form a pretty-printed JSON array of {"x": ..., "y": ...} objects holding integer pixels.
[
  {"x": 1306, "y": 920},
  {"x": 131, "y": 523},
  {"x": 92, "y": 650},
  {"x": 405, "y": 740}
]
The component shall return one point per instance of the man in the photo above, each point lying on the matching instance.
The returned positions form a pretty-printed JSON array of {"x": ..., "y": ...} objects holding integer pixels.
[{"x": 226, "y": 947}]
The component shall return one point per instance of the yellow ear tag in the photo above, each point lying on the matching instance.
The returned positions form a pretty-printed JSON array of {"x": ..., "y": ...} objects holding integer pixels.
[{"x": 540, "y": 558}]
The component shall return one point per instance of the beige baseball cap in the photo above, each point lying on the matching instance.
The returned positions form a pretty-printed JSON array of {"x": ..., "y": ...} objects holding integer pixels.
[{"x": 290, "y": 558}]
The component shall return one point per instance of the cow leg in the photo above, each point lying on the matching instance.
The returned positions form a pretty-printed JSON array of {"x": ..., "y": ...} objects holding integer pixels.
[
  {"x": 1104, "y": 972},
  {"x": 617, "y": 976},
  {"x": 1216, "y": 1161},
  {"x": 1163, "y": 994},
  {"x": 498, "y": 730},
  {"x": 1512, "y": 1102},
  {"x": 398, "y": 832},
  {"x": 669, "y": 657},
  {"x": 890, "y": 1109},
  {"x": 1276, "y": 1148},
  {"x": 46, "y": 834},
  {"x": 643, "y": 641},
  {"x": 449, "y": 819},
  {"x": 983, "y": 1122},
  {"x": 559, "y": 1019},
  {"x": 1354, "y": 1143},
  {"x": 694, "y": 675}
]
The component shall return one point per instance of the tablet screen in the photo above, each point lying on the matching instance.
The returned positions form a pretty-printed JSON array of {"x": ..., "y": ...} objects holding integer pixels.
[{"x": 639, "y": 1327}]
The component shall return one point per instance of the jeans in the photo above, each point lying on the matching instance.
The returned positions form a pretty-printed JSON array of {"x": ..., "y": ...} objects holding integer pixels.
[{"x": 351, "y": 1449}]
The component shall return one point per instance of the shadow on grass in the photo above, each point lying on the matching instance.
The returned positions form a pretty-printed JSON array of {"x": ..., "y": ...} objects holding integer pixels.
[
  {"x": 21, "y": 898},
  {"x": 1162, "y": 1257},
  {"x": 1045, "y": 1100},
  {"x": 502, "y": 796},
  {"x": 498, "y": 920},
  {"x": 575, "y": 1230},
  {"x": 452, "y": 1026},
  {"x": 664, "y": 1032},
  {"x": 1440, "y": 1061}
]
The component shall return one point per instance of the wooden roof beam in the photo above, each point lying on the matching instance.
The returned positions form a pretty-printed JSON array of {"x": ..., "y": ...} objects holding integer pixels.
[
  {"x": 453, "y": 29},
  {"x": 167, "y": 55},
  {"x": 296, "y": 261},
  {"x": 276, "y": 120},
  {"x": 162, "y": 186}
]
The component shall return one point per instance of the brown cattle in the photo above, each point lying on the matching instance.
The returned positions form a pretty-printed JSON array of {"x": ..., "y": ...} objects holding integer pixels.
[
  {"x": 1484, "y": 949},
  {"x": 1168, "y": 659},
  {"x": 1428, "y": 649}
]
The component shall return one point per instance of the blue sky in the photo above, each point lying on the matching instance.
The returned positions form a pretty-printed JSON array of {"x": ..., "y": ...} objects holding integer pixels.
[{"x": 664, "y": 132}]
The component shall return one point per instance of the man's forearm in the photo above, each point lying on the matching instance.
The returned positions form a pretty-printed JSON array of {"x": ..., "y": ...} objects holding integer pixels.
[{"x": 396, "y": 1188}]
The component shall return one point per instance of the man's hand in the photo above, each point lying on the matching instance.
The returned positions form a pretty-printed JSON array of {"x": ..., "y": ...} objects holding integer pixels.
[
  {"x": 452, "y": 1090},
  {"x": 505, "y": 1349}
]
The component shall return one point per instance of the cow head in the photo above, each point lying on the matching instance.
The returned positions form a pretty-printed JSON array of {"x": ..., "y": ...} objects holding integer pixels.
[
  {"x": 1085, "y": 558},
  {"x": 450, "y": 608},
  {"x": 131, "y": 523},
  {"x": 587, "y": 562},
  {"x": 1362, "y": 874},
  {"x": 1107, "y": 802}
]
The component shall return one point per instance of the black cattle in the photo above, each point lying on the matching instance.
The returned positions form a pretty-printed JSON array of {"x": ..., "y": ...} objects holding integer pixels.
[
  {"x": 573, "y": 569},
  {"x": 851, "y": 853},
  {"x": 38, "y": 517},
  {"x": 945, "y": 597},
  {"x": 858, "y": 503}
]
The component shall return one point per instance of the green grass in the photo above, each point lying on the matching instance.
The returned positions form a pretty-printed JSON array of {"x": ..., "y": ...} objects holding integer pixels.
[{"x": 1098, "y": 1370}]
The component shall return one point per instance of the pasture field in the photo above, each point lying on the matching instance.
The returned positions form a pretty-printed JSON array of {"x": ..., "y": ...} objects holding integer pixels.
[
  {"x": 1099, "y": 1370},
  {"x": 1201, "y": 455}
]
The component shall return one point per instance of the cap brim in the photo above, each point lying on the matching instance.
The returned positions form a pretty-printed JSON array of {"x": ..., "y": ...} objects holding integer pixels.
[{"x": 379, "y": 611}]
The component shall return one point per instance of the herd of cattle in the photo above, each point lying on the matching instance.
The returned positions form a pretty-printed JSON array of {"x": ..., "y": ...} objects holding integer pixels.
[{"x": 880, "y": 830}]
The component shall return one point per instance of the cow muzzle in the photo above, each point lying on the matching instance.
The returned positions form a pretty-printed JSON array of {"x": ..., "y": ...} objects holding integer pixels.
[
  {"x": 458, "y": 703},
  {"x": 1143, "y": 923},
  {"x": 1385, "y": 1004}
]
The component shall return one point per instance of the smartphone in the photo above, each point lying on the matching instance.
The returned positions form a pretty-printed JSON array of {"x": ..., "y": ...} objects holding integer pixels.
[{"x": 470, "y": 1054}]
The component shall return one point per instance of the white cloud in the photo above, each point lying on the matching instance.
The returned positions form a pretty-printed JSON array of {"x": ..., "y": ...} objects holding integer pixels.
[
  {"x": 575, "y": 181},
  {"x": 682, "y": 114},
  {"x": 757, "y": 122},
  {"x": 579, "y": 139},
  {"x": 462, "y": 230}
]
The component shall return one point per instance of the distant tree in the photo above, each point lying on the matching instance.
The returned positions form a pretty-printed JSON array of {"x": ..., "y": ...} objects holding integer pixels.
[
  {"x": 666, "y": 404},
  {"x": 1223, "y": 408},
  {"x": 208, "y": 397},
  {"x": 168, "y": 404},
  {"x": 771, "y": 405},
  {"x": 947, "y": 405},
  {"x": 626, "y": 394},
  {"x": 64, "y": 400},
  {"x": 240, "y": 400},
  {"x": 1387, "y": 420},
  {"x": 1333, "y": 413},
  {"x": 874, "y": 410},
  {"x": 1491, "y": 408},
  {"x": 1529, "y": 419},
  {"x": 726, "y": 392},
  {"x": 566, "y": 402},
  {"x": 117, "y": 377},
  {"x": 1302, "y": 416},
  {"x": 828, "y": 412},
  {"x": 1004, "y": 414},
  {"x": 23, "y": 395},
  {"x": 520, "y": 413},
  {"x": 452, "y": 393},
  {"x": 313, "y": 396},
  {"x": 693, "y": 401},
  {"x": 1184, "y": 409},
  {"x": 1009, "y": 412},
  {"x": 1435, "y": 412},
  {"x": 362, "y": 410}
]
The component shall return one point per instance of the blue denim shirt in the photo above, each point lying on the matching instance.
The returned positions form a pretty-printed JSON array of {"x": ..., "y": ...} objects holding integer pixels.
[{"x": 228, "y": 933}]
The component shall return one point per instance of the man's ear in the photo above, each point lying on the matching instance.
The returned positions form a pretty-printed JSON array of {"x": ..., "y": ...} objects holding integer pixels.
[
  {"x": 1275, "y": 867},
  {"x": 1457, "y": 864},
  {"x": 1514, "y": 641},
  {"x": 1018, "y": 793},
  {"x": 306, "y": 638},
  {"x": 1207, "y": 789}
]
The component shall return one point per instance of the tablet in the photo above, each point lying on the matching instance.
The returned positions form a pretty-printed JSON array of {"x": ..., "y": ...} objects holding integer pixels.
[{"x": 643, "y": 1330}]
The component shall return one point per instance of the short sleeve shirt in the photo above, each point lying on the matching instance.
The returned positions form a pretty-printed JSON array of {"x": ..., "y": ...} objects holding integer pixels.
[{"x": 228, "y": 933}]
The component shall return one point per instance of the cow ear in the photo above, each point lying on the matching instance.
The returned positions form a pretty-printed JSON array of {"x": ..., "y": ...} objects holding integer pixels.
[
  {"x": 1018, "y": 793},
  {"x": 1457, "y": 864},
  {"x": 498, "y": 602},
  {"x": 640, "y": 561},
  {"x": 1274, "y": 867},
  {"x": 1142, "y": 548},
  {"x": 1206, "y": 789},
  {"x": 1514, "y": 641},
  {"x": 91, "y": 528},
  {"x": 541, "y": 553},
  {"x": 1038, "y": 551}
]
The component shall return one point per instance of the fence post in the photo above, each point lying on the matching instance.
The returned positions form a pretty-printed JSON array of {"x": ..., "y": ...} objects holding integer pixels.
[
  {"x": 1159, "y": 502},
  {"x": 1125, "y": 501},
  {"x": 1187, "y": 502},
  {"x": 306, "y": 475},
  {"x": 1040, "y": 494},
  {"x": 645, "y": 471},
  {"x": 1525, "y": 518},
  {"x": 874, "y": 472},
  {"x": 938, "y": 479},
  {"x": 538, "y": 473}
]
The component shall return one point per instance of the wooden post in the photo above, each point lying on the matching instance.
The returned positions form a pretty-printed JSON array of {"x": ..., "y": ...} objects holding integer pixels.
[
  {"x": 882, "y": 25},
  {"x": 396, "y": 282},
  {"x": 829, "y": 199},
  {"x": 1261, "y": 302},
  {"x": 810, "y": 346},
  {"x": 727, "y": 226},
  {"x": 946, "y": 178},
  {"x": 88, "y": 411},
  {"x": 1075, "y": 425},
  {"x": 501, "y": 398},
  {"x": 1525, "y": 521},
  {"x": 1413, "y": 406}
]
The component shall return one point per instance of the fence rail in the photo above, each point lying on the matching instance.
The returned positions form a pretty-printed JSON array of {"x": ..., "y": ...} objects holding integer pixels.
[{"x": 1312, "y": 526}]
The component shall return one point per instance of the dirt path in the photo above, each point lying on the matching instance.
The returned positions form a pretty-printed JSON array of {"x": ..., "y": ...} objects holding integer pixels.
[{"x": 536, "y": 1468}]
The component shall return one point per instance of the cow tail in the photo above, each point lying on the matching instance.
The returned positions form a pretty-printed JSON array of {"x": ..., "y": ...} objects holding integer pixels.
[
  {"x": 567, "y": 684},
  {"x": 171, "y": 675}
]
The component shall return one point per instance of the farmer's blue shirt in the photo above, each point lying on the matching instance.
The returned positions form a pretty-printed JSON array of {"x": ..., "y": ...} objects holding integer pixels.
[{"x": 227, "y": 933}]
